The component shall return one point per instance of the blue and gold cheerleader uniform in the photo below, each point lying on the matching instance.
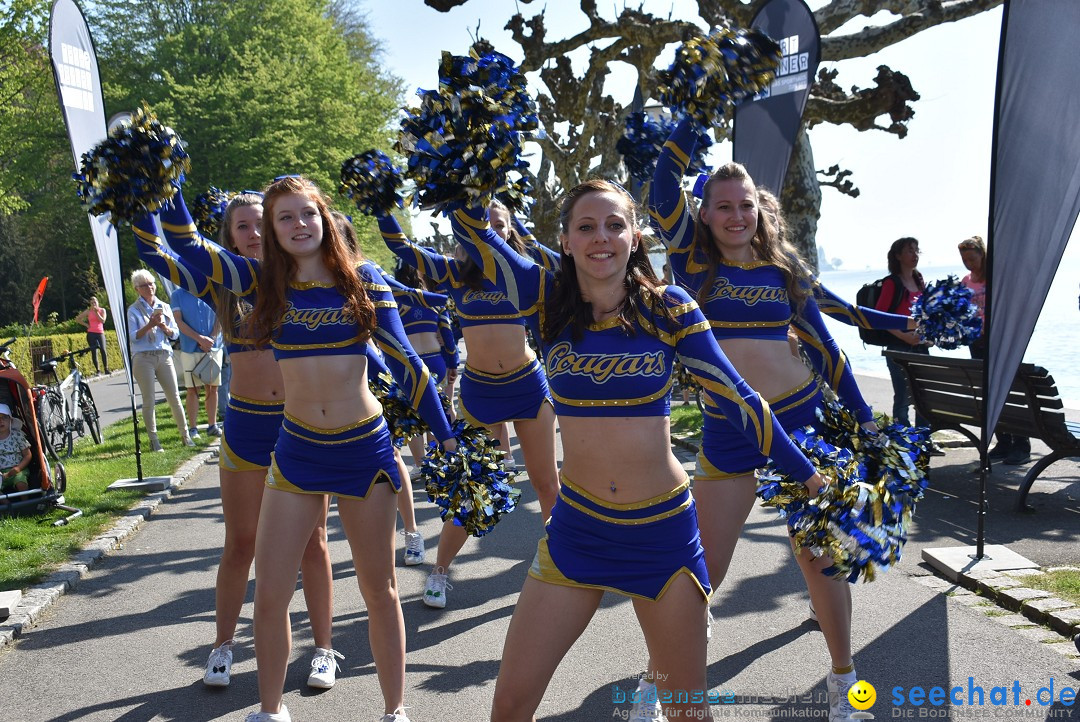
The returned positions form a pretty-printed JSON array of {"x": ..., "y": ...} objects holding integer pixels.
[
  {"x": 251, "y": 425},
  {"x": 425, "y": 312},
  {"x": 750, "y": 300},
  {"x": 486, "y": 398},
  {"x": 637, "y": 548},
  {"x": 347, "y": 460}
]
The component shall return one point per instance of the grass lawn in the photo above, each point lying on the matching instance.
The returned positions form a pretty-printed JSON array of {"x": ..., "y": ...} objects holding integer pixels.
[
  {"x": 1063, "y": 584},
  {"x": 685, "y": 419},
  {"x": 32, "y": 547}
]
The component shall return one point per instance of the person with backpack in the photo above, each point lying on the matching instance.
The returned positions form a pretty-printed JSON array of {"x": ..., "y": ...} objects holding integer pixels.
[{"x": 901, "y": 289}]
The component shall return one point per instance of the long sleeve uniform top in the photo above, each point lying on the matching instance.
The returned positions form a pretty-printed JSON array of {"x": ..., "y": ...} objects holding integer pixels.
[
  {"x": 610, "y": 372},
  {"x": 314, "y": 322}
]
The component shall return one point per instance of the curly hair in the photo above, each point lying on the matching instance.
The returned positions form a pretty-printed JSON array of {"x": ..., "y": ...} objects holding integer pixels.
[
  {"x": 278, "y": 268},
  {"x": 565, "y": 305}
]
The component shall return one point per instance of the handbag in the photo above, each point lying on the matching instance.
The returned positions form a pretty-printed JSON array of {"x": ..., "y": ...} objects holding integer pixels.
[{"x": 207, "y": 370}]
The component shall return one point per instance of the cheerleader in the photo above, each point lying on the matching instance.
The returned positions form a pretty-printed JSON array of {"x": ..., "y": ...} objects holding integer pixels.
[
  {"x": 316, "y": 308},
  {"x": 252, "y": 419},
  {"x": 751, "y": 288},
  {"x": 502, "y": 380},
  {"x": 624, "y": 520}
]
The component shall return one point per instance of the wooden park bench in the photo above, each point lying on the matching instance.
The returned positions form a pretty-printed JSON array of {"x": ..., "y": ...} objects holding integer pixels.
[{"x": 949, "y": 393}]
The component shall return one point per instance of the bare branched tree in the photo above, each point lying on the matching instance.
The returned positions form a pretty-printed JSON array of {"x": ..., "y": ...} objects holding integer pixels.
[{"x": 583, "y": 121}]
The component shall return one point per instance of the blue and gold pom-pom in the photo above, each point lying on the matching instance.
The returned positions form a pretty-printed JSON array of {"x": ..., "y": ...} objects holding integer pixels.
[
  {"x": 208, "y": 211},
  {"x": 134, "y": 170},
  {"x": 874, "y": 480},
  {"x": 684, "y": 378},
  {"x": 643, "y": 140},
  {"x": 372, "y": 181},
  {"x": 469, "y": 484},
  {"x": 713, "y": 73},
  {"x": 463, "y": 142},
  {"x": 946, "y": 314}
]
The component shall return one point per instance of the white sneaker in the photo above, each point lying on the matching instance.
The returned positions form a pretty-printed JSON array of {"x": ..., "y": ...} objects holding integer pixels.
[
  {"x": 840, "y": 709},
  {"x": 397, "y": 715},
  {"x": 219, "y": 666},
  {"x": 324, "y": 668},
  {"x": 414, "y": 548},
  {"x": 282, "y": 716},
  {"x": 647, "y": 708},
  {"x": 435, "y": 590}
]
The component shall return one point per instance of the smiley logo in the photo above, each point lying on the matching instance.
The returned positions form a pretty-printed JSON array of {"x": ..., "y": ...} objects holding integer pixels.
[{"x": 862, "y": 695}]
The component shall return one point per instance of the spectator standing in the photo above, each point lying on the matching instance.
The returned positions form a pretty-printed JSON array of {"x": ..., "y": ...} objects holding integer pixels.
[
  {"x": 903, "y": 286},
  {"x": 1010, "y": 449},
  {"x": 94, "y": 320},
  {"x": 200, "y": 334},
  {"x": 151, "y": 328}
]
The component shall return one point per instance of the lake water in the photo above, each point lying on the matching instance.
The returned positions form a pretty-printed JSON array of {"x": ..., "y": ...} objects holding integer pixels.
[{"x": 1055, "y": 344}]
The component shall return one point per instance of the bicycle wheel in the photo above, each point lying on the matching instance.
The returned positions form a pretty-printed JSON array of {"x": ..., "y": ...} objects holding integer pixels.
[
  {"x": 55, "y": 421},
  {"x": 43, "y": 430},
  {"x": 90, "y": 412}
]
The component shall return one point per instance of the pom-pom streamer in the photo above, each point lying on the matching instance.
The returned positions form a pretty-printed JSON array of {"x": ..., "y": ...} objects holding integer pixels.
[
  {"x": 468, "y": 484},
  {"x": 712, "y": 74},
  {"x": 208, "y": 211},
  {"x": 860, "y": 519},
  {"x": 643, "y": 140},
  {"x": 134, "y": 170},
  {"x": 402, "y": 419},
  {"x": 946, "y": 315},
  {"x": 463, "y": 142},
  {"x": 372, "y": 181}
]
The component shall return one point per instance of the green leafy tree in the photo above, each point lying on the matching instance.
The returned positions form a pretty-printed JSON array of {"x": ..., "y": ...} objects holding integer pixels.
[{"x": 252, "y": 97}]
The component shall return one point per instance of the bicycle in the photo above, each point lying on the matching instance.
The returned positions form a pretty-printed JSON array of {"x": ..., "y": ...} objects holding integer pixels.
[{"x": 67, "y": 409}]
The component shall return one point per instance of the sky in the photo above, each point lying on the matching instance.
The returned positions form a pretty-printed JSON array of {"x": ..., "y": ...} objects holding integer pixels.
[{"x": 933, "y": 184}]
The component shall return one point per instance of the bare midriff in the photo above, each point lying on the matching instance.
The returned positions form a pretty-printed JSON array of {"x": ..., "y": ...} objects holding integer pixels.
[
  {"x": 766, "y": 365},
  {"x": 425, "y": 342},
  {"x": 328, "y": 392},
  {"x": 497, "y": 348},
  {"x": 256, "y": 375},
  {"x": 633, "y": 454}
]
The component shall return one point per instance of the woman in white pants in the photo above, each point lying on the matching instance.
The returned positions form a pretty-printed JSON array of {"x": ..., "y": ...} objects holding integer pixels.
[{"x": 151, "y": 327}]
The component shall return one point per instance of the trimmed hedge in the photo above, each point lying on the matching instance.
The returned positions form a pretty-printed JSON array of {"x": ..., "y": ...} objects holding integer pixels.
[{"x": 62, "y": 343}]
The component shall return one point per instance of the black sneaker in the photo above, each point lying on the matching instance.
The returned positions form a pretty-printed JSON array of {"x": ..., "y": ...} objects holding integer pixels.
[
  {"x": 1017, "y": 456},
  {"x": 1000, "y": 450}
]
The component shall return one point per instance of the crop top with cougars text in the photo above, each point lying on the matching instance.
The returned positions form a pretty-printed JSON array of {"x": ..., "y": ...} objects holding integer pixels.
[
  {"x": 750, "y": 300},
  {"x": 314, "y": 322},
  {"x": 611, "y": 372},
  {"x": 489, "y": 305}
]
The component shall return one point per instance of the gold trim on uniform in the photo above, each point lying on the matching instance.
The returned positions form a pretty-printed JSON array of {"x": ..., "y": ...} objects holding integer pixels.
[
  {"x": 636, "y": 401},
  {"x": 628, "y": 506},
  {"x": 504, "y": 374},
  {"x": 305, "y": 346},
  {"x": 335, "y": 430}
]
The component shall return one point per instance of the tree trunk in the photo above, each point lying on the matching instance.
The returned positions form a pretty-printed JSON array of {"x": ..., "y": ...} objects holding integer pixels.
[{"x": 802, "y": 200}]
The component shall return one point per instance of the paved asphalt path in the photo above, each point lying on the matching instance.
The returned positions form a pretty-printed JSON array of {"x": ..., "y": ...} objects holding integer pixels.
[{"x": 129, "y": 642}]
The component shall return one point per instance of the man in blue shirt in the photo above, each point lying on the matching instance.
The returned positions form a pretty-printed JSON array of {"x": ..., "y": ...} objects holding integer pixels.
[{"x": 200, "y": 335}]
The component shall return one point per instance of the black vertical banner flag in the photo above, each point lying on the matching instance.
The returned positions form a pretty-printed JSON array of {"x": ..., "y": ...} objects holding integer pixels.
[
  {"x": 1034, "y": 178},
  {"x": 767, "y": 125}
]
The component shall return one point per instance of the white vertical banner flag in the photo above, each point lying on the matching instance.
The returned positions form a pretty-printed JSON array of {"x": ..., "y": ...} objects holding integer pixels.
[{"x": 78, "y": 84}]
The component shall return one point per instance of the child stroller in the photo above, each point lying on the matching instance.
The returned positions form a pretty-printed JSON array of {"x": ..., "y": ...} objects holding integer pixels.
[{"x": 47, "y": 483}]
